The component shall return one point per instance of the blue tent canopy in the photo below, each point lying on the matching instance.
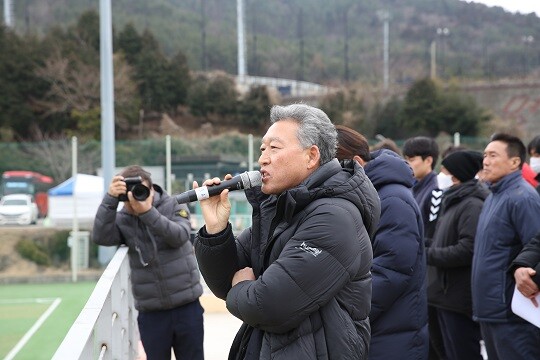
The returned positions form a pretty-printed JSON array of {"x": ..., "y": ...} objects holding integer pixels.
[
  {"x": 65, "y": 188},
  {"x": 79, "y": 185}
]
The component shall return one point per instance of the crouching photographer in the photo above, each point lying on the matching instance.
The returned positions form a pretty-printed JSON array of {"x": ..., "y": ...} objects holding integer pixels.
[{"x": 164, "y": 275}]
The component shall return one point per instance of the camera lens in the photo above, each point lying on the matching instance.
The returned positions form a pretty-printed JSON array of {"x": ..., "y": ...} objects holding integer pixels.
[{"x": 140, "y": 192}]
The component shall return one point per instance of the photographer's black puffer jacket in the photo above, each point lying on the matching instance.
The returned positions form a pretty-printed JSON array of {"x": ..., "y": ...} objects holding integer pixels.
[
  {"x": 161, "y": 238},
  {"x": 310, "y": 250}
]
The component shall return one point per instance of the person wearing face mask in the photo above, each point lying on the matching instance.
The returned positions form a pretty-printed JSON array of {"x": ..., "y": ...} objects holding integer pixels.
[
  {"x": 533, "y": 175},
  {"x": 451, "y": 251}
]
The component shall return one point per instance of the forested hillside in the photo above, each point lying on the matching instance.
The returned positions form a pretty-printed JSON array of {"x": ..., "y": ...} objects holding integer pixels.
[{"x": 318, "y": 40}]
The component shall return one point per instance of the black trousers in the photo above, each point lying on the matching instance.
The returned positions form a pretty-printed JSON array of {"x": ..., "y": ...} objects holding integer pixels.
[
  {"x": 511, "y": 341},
  {"x": 436, "y": 345},
  {"x": 181, "y": 329},
  {"x": 461, "y": 335}
]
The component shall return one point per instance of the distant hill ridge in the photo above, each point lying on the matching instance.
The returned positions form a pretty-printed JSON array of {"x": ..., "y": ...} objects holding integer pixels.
[{"x": 322, "y": 41}]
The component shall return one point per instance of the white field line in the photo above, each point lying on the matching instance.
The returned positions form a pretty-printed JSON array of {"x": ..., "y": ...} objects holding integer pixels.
[
  {"x": 26, "y": 301},
  {"x": 33, "y": 329}
]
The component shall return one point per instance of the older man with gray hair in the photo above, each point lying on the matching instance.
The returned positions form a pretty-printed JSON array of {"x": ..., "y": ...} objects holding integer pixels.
[{"x": 299, "y": 277}]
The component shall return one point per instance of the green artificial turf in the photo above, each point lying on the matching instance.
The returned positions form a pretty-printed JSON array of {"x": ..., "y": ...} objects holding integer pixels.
[{"x": 18, "y": 313}]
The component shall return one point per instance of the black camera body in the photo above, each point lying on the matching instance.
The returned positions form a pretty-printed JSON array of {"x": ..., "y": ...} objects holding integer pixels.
[{"x": 134, "y": 184}]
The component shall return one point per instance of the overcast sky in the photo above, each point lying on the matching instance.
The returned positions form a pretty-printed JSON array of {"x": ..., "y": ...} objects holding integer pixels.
[{"x": 521, "y": 6}]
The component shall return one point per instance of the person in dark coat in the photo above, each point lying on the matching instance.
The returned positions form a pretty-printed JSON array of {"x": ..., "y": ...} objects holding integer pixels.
[
  {"x": 422, "y": 153},
  {"x": 451, "y": 251},
  {"x": 398, "y": 317},
  {"x": 526, "y": 269},
  {"x": 164, "y": 276},
  {"x": 508, "y": 221},
  {"x": 299, "y": 278},
  {"x": 533, "y": 149}
]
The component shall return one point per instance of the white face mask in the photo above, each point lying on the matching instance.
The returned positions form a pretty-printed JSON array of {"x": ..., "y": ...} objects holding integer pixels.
[
  {"x": 535, "y": 164},
  {"x": 444, "y": 181}
]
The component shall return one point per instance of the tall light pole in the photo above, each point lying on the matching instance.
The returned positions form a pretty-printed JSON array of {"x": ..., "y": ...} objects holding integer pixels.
[
  {"x": 241, "y": 38},
  {"x": 204, "y": 58},
  {"x": 107, "y": 92},
  {"x": 384, "y": 16},
  {"x": 433, "y": 59},
  {"x": 443, "y": 32},
  {"x": 527, "y": 40},
  {"x": 108, "y": 156},
  {"x": 8, "y": 13}
]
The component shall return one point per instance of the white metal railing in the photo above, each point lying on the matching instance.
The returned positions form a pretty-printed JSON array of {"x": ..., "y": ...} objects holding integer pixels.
[{"x": 106, "y": 328}]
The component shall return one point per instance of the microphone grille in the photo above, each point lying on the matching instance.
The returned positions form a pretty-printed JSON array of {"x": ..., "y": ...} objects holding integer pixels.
[{"x": 251, "y": 179}]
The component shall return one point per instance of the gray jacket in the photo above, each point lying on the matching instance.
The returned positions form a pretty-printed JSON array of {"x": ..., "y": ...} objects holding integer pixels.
[
  {"x": 310, "y": 250},
  {"x": 164, "y": 272}
]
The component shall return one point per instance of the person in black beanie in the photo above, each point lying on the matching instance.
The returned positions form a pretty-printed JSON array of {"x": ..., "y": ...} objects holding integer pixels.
[
  {"x": 450, "y": 254},
  {"x": 464, "y": 165}
]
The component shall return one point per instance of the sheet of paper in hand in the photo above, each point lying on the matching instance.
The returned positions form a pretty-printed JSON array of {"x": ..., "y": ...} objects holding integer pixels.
[{"x": 524, "y": 307}]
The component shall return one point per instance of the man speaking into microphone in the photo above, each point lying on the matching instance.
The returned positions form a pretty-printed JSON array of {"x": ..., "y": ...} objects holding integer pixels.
[{"x": 299, "y": 277}]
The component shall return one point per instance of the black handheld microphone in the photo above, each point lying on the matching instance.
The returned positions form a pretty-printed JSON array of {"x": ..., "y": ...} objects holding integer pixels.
[{"x": 245, "y": 180}]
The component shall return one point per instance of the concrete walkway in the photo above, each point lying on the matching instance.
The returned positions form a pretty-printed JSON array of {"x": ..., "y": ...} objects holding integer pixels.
[{"x": 220, "y": 327}]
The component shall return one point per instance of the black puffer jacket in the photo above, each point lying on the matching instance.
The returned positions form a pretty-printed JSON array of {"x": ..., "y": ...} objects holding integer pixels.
[
  {"x": 529, "y": 257},
  {"x": 451, "y": 252},
  {"x": 310, "y": 250},
  {"x": 160, "y": 238}
]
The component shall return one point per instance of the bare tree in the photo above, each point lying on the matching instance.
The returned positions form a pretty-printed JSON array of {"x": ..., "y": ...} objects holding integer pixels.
[
  {"x": 56, "y": 152},
  {"x": 75, "y": 85}
]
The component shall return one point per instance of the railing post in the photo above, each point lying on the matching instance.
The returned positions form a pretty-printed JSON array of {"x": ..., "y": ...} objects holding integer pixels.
[{"x": 106, "y": 328}]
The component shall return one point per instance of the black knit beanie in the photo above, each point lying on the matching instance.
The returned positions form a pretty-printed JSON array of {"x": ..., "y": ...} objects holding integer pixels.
[{"x": 464, "y": 165}]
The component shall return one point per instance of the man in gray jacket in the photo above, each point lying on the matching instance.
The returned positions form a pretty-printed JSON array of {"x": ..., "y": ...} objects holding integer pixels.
[
  {"x": 299, "y": 277},
  {"x": 164, "y": 275}
]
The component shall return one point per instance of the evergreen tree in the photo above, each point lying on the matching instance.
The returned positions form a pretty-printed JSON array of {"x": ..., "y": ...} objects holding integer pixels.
[
  {"x": 211, "y": 97},
  {"x": 19, "y": 85},
  {"x": 178, "y": 80},
  {"x": 387, "y": 119},
  {"x": 429, "y": 110},
  {"x": 254, "y": 109},
  {"x": 419, "y": 109},
  {"x": 130, "y": 43}
]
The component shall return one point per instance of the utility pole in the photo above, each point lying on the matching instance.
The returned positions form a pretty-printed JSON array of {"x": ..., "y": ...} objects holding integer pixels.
[
  {"x": 241, "y": 42},
  {"x": 384, "y": 16}
]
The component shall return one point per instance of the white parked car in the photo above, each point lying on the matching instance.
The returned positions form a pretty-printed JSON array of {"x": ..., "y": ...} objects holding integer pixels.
[{"x": 18, "y": 209}]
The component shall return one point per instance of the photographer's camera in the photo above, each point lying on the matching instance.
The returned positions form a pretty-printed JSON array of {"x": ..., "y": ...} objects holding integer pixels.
[{"x": 134, "y": 184}]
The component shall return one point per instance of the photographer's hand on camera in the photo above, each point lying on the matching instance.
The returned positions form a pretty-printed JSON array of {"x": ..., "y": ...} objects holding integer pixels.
[
  {"x": 117, "y": 186},
  {"x": 216, "y": 209}
]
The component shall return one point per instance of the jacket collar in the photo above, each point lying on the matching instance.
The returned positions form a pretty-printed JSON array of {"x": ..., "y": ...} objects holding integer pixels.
[{"x": 505, "y": 182}]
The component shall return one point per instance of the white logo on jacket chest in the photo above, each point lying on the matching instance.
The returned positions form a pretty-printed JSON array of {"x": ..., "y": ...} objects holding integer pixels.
[
  {"x": 310, "y": 250},
  {"x": 436, "y": 199}
]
